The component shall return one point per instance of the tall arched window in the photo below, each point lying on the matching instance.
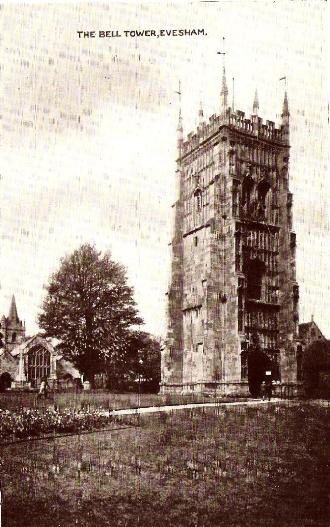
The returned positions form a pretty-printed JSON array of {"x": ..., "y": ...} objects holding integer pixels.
[
  {"x": 263, "y": 188},
  {"x": 254, "y": 271},
  {"x": 247, "y": 190},
  {"x": 38, "y": 364},
  {"x": 198, "y": 199}
]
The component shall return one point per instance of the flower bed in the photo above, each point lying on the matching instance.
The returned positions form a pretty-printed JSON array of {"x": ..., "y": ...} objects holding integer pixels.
[{"x": 33, "y": 422}]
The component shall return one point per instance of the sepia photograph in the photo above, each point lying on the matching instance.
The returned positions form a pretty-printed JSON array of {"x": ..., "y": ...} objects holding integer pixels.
[{"x": 164, "y": 264}]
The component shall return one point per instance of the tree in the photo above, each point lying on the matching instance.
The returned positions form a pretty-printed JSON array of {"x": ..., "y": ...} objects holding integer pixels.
[
  {"x": 139, "y": 362},
  {"x": 315, "y": 361},
  {"x": 90, "y": 308}
]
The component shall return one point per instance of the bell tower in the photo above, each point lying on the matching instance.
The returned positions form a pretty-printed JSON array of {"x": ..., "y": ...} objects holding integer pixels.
[{"x": 233, "y": 253}]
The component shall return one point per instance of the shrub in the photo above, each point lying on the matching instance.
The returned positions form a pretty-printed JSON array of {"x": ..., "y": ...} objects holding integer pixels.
[{"x": 27, "y": 422}]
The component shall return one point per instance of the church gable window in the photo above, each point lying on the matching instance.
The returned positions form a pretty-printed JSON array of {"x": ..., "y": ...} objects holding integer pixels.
[{"x": 38, "y": 364}]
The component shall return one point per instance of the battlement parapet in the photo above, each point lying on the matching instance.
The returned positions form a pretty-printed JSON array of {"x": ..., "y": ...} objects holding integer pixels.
[{"x": 235, "y": 120}]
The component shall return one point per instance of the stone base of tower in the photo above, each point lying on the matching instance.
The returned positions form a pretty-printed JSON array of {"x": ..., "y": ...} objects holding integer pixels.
[
  {"x": 207, "y": 388},
  {"x": 238, "y": 389}
]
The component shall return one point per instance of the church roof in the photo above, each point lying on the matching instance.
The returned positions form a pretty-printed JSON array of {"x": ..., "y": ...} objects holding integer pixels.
[
  {"x": 6, "y": 353},
  {"x": 21, "y": 347},
  {"x": 30, "y": 342},
  {"x": 305, "y": 328}
]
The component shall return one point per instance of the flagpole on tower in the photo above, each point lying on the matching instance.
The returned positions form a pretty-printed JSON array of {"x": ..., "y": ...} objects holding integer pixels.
[
  {"x": 283, "y": 79},
  {"x": 224, "y": 88}
]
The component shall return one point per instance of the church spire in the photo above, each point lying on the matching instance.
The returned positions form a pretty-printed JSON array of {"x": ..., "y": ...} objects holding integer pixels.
[
  {"x": 256, "y": 104},
  {"x": 13, "y": 316}
]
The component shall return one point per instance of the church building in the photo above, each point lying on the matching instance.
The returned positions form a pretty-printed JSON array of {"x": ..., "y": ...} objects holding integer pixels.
[
  {"x": 25, "y": 361},
  {"x": 233, "y": 253}
]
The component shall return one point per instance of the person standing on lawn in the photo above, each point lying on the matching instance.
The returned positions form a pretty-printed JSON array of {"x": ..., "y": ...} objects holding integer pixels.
[
  {"x": 43, "y": 390},
  {"x": 268, "y": 384}
]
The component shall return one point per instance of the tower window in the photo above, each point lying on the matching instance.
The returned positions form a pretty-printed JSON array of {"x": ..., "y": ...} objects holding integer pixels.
[
  {"x": 198, "y": 199},
  {"x": 254, "y": 271},
  {"x": 247, "y": 189},
  {"x": 199, "y": 347},
  {"x": 235, "y": 202},
  {"x": 263, "y": 189},
  {"x": 195, "y": 241}
]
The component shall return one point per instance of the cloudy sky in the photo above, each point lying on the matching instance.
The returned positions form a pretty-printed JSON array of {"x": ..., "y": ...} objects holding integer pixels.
[{"x": 88, "y": 133}]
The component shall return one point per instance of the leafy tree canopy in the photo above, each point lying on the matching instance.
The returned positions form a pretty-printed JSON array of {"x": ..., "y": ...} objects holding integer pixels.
[
  {"x": 90, "y": 308},
  {"x": 139, "y": 362},
  {"x": 315, "y": 361},
  {"x": 316, "y": 356}
]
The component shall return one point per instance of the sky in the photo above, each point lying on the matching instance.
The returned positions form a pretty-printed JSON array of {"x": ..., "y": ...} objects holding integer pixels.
[{"x": 88, "y": 133}]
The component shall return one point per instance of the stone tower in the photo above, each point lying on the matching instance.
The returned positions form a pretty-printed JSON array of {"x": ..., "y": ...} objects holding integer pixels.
[
  {"x": 12, "y": 328},
  {"x": 233, "y": 253}
]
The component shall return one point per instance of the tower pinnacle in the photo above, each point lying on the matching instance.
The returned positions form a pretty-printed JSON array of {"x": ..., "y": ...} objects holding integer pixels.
[
  {"x": 200, "y": 114},
  {"x": 256, "y": 104},
  {"x": 179, "y": 127},
  {"x": 285, "y": 119},
  {"x": 224, "y": 92},
  {"x": 285, "y": 110},
  {"x": 224, "y": 88}
]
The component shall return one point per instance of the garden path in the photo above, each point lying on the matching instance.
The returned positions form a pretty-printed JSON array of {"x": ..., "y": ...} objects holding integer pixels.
[{"x": 155, "y": 409}]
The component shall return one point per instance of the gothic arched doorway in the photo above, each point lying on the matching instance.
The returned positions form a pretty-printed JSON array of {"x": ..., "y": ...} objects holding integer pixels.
[{"x": 5, "y": 381}]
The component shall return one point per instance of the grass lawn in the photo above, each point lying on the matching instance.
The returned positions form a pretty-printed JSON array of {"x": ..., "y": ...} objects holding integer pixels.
[
  {"x": 232, "y": 466},
  {"x": 12, "y": 400}
]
